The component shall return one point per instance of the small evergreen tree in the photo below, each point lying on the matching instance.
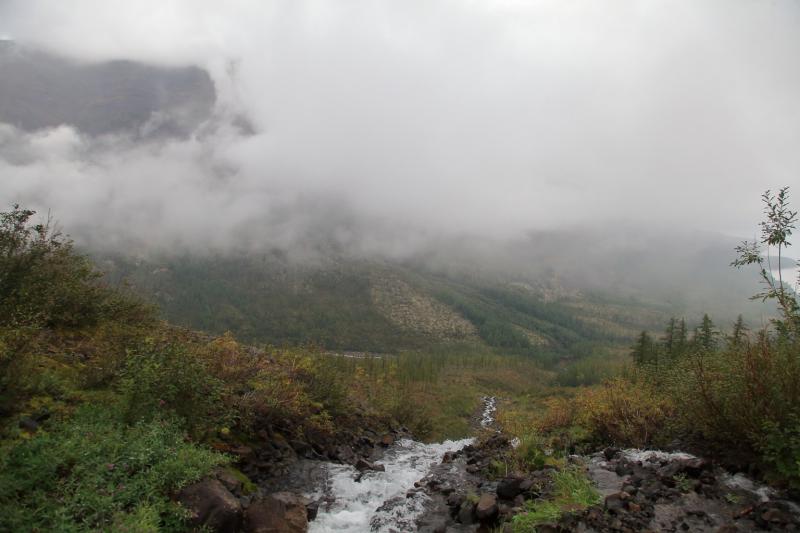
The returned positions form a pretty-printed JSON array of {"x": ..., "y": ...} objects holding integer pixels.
[
  {"x": 681, "y": 337},
  {"x": 668, "y": 341},
  {"x": 644, "y": 351},
  {"x": 739, "y": 334},
  {"x": 705, "y": 335}
]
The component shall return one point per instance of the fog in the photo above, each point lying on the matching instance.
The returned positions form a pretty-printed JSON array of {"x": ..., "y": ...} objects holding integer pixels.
[{"x": 389, "y": 126}]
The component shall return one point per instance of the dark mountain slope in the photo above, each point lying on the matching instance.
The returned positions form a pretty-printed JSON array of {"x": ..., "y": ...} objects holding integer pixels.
[{"x": 42, "y": 90}]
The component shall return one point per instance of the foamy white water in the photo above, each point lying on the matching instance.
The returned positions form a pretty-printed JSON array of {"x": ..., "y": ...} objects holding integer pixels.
[
  {"x": 376, "y": 501},
  {"x": 489, "y": 409}
]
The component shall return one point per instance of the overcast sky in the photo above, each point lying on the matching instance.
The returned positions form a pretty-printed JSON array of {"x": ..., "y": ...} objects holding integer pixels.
[{"x": 409, "y": 118}]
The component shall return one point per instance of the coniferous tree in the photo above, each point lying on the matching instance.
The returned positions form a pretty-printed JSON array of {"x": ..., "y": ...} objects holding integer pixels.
[
  {"x": 681, "y": 337},
  {"x": 739, "y": 334},
  {"x": 644, "y": 350},
  {"x": 668, "y": 341},
  {"x": 705, "y": 335}
]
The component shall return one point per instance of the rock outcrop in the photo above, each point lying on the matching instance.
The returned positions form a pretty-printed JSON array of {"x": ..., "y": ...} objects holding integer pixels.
[{"x": 212, "y": 505}]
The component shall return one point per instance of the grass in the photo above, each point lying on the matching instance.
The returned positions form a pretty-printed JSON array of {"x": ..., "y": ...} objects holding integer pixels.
[
  {"x": 436, "y": 392},
  {"x": 572, "y": 491}
]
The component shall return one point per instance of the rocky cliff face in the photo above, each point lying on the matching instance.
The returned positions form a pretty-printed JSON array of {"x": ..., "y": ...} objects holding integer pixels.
[{"x": 41, "y": 90}]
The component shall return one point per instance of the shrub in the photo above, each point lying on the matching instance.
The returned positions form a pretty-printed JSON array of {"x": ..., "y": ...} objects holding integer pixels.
[
  {"x": 45, "y": 287},
  {"x": 43, "y": 282},
  {"x": 591, "y": 370},
  {"x": 735, "y": 400},
  {"x": 620, "y": 412},
  {"x": 167, "y": 377},
  {"x": 93, "y": 472},
  {"x": 780, "y": 449}
]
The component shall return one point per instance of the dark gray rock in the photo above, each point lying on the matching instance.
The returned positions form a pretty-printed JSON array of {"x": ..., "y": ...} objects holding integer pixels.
[
  {"x": 280, "y": 512},
  {"x": 362, "y": 465},
  {"x": 211, "y": 505},
  {"x": 486, "y": 509},
  {"x": 509, "y": 488}
]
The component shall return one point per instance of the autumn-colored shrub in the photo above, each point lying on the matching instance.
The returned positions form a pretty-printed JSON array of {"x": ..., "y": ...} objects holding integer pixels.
[
  {"x": 620, "y": 411},
  {"x": 625, "y": 413}
]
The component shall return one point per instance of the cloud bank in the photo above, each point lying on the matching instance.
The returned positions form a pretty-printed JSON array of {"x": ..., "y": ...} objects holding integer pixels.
[{"x": 384, "y": 124}]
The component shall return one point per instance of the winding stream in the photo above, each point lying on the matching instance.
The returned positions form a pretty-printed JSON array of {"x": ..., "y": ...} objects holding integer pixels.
[{"x": 380, "y": 501}]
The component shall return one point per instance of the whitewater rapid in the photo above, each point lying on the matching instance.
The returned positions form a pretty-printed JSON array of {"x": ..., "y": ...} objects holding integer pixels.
[{"x": 381, "y": 501}]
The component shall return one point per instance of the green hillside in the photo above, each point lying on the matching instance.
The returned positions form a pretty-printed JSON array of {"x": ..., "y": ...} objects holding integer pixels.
[{"x": 377, "y": 306}]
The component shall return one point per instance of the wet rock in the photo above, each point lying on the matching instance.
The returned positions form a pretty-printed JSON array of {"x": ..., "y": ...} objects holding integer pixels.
[
  {"x": 387, "y": 440},
  {"x": 454, "y": 500},
  {"x": 344, "y": 453},
  {"x": 486, "y": 509},
  {"x": 466, "y": 513},
  {"x": 280, "y": 512},
  {"x": 772, "y": 516},
  {"x": 446, "y": 489},
  {"x": 623, "y": 469},
  {"x": 527, "y": 485},
  {"x": 362, "y": 465},
  {"x": 615, "y": 503},
  {"x": 301, "y": 448},
  {"x": 231, "y": 482},
  {"x": 211, "y": 505},
  {"x": 435, "y": 525},
  {"x": 610, "y": 453},
  {"x": 509, "y": 488},
  {"x": 312, "y": 510}
]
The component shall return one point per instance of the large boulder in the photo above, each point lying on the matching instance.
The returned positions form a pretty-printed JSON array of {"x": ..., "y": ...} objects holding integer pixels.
[
  {"x": 211, "y": 505},
  {"x": 466, "y": 513},
  {"x": 280, "y": 512},
  {"x": 509, "y": 488},
  {"x": 486, "y": 509},
  {"x": 363, "y": 465}
]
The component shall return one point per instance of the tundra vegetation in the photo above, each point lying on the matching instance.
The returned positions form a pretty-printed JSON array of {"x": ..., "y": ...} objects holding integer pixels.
[
  {"x": 729, "y": 395},
  {"x": 107, "y": 410}
]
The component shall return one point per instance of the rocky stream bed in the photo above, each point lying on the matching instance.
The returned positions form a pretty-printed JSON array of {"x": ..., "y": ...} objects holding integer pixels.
[{"x": 392, "y": 483}]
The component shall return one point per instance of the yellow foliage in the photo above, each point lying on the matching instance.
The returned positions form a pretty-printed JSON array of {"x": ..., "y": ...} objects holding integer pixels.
[{"x": 619, "y": 411}]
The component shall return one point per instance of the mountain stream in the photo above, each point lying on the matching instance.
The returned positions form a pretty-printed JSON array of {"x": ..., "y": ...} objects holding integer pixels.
[{"x": 381, "y": 501}]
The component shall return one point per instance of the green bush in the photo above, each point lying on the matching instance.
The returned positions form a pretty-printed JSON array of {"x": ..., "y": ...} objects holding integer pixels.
[
  {"x": 780, "y": 449},
  {"x": 93, "y": 472},
  {"x": 168, "y": 377},
  {"x": 43, "y": 282},
  {"x": 46, "y": 287}
]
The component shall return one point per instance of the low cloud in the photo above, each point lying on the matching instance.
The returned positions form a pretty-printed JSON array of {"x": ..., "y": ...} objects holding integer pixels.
[{"x": 385, "y": 126}]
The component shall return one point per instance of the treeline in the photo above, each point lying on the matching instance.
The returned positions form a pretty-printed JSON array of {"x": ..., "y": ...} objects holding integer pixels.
[
  {"x": 267, "y": 299},
  {"x": 503, "y": 316},
  {"x": 677, "y": 342}
]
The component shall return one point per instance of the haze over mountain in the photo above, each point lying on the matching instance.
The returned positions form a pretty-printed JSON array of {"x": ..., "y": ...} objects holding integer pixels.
[
  {"x": 622, "y": 147},
  {"x": 39, "y": 91}
]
